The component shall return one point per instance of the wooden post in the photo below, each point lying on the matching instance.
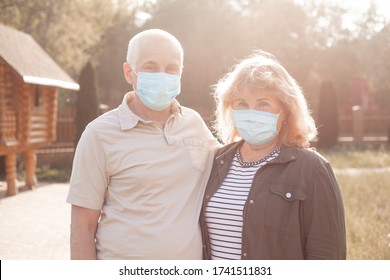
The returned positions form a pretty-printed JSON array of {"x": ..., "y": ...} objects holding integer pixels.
[
  {"x": 51, "y": 98},
  {"x": 10, "y": 173},
  {"x": 30, "y": 161},
  {"x": 358, "y": 124}
]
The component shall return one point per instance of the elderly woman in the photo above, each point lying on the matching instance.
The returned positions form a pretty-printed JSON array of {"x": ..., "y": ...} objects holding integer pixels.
[{"x": 269, "y": 196}]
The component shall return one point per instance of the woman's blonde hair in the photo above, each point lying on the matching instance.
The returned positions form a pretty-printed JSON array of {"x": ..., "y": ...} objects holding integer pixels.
[{"x": 262, "y": 71}]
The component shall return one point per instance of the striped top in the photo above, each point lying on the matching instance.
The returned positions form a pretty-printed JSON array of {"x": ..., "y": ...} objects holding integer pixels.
[{"x": 224, "y": 212}]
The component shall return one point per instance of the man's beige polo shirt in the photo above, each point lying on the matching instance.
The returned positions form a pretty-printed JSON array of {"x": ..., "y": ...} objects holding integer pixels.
[{"x": 148, "y": 181}]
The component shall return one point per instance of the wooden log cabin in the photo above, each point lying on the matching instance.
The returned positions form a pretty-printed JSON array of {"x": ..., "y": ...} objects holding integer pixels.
[{"x": 29, "y": 82}]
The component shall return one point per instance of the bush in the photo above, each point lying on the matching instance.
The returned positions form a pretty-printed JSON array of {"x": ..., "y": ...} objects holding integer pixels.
[
  {"x": 328, "y": 116},
  {"x": 87, "y": 104}
]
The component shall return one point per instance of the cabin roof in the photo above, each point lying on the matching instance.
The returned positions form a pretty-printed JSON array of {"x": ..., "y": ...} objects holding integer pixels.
[{"x": 21, "y": 52}]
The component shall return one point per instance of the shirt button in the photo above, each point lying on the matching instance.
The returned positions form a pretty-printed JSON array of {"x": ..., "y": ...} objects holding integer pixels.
[
  {"x": 251, "y": 201},
  {"x": 222, "y": 161},
  {"x": 244, "y": 254},
  {"x": 207, "y": 196},
  {"x": 288, "y": 195}
]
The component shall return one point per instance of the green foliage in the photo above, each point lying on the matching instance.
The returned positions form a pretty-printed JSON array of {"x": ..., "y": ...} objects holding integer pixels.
[
  {"x": 46, "y": 173},
  {"x": 52, "y": 174},
  {"x": 375, "y": 54},
  {"x": 328, "y": 116},
  {"x": 311, "y": 40},
  {"x": 111, "y": 82},
  {"x": 69, "y": 31},
  {"x": 215, "y": 34}
]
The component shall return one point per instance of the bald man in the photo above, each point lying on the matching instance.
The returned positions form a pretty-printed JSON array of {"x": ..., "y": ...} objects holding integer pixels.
[{"x": 140, "y": 170}]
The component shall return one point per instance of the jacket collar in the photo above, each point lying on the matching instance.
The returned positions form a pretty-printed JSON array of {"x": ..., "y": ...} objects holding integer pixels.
[{"x": 226, "y": 154}]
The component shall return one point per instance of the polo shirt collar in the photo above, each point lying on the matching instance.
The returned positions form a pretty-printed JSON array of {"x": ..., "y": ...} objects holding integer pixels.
[{"x": 129, "y": 120}]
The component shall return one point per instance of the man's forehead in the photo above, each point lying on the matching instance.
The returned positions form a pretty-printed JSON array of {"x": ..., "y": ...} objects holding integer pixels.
[
  {"x": 158, "y": 44},
  {"x": 153, "y": 50}
]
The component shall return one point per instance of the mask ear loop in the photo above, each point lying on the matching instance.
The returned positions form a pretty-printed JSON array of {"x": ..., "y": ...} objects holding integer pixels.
[
  {"x": 283, "y": 124},
  {"x": 133, "y": 71}
]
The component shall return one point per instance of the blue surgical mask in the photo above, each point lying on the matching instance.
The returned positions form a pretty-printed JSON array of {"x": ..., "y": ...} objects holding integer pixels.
[
  {"x": 157, "y": 90},
  {"x": 256, "y": 127}
]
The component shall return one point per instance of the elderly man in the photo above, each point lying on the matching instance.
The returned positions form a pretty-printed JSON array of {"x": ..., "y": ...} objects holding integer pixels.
[{"x": 140, "y": 170}]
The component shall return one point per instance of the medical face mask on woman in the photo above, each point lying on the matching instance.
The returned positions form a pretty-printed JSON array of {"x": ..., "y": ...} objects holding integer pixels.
[
  {"x": 256, "y": 127},
  {"x": 157, "y": 90}
]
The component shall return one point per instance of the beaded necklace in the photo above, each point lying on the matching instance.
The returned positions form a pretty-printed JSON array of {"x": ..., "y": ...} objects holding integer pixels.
[{"x": 252, "y": 163}]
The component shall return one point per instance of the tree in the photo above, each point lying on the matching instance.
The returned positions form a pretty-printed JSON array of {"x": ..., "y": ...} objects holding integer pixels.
[
  {"x": 211, "y": 41},
  {"x": 87, "y": 104},
  {"x": 216, "y": 34},
  {"x": 328, "y": 116},
  {"x": 112, "y": 84},
  {"x": 69, "y": 31},
  {"x": 75, "y": 32}
]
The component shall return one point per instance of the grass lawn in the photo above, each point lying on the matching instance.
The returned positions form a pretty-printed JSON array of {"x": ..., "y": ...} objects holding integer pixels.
[
  {"x": 357, "y": 158},
  {"x": 366, "y": 196},
  {"x": 367, "y": 211}
]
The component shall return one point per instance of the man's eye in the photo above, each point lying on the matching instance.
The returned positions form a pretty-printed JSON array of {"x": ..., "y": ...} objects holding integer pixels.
[
  {"x": 150, "y": 68},
  {"x": 172, "y": 71}
]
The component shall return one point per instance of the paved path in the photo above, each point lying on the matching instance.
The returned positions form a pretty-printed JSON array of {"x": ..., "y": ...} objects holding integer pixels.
[
  {"x": 364, "y": 170},
  {"x": 34, "y": 225}
]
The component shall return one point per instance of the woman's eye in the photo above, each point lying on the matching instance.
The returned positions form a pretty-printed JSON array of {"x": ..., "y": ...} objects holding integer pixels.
[
  {"x": 239, "y": 104},
  {"x": 264, "y": 104}
]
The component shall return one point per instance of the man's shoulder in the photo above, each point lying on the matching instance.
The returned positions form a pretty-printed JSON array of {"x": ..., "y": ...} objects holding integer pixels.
[
  {"x": 108, "y": 118},
  {"x": 185, "y": 110},
  {"x": 191, "y": 114}
]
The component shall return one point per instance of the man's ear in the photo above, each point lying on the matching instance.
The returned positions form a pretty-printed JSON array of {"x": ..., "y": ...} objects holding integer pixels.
[{"x": 127, "y": 72}]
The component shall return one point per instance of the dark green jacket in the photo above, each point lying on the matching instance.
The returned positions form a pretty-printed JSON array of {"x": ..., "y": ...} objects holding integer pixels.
[{"x": 294, "y": 209}]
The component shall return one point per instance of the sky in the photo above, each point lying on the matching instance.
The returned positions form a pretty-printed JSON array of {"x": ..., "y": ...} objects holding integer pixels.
[
  {"x": 360, "y": 6},
  {"x": 356, "y": 9}
]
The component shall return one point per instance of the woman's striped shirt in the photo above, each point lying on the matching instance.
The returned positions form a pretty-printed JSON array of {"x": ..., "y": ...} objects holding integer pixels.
[{"x": 224, "y": 212}]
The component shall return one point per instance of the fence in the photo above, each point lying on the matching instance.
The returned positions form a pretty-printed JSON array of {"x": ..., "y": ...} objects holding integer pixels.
[
  {"x": 355, "y": 128},
  {"x": 61, "y": 151},
  {"x": 361, "y": 127}
]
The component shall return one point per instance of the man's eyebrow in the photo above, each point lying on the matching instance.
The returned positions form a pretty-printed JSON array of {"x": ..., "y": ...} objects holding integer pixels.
[
  {"x": 174, "y": 64},
  {"x": 149, "y": 62}
]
